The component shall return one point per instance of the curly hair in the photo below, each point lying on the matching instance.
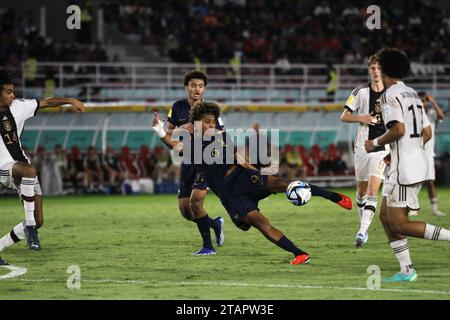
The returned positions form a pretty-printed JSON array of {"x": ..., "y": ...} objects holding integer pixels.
[
  {"x": 393, "y": 62},
  {"x": 202, "y": 108},
  {"x": 5, "y": 78},
  {"x": 195, "y": 74}
]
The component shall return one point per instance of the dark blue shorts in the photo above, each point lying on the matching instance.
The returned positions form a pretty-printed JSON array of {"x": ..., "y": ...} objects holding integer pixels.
[
  {"x": 243, "y": 190},
  {"x": 190, "y": 179}
]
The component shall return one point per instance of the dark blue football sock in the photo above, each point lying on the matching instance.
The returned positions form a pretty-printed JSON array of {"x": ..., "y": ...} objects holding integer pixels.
[
  {"x": 287, "y": 245},
  {"x": 212, "y": 223},
  {"x": 203, "y": 227},
  {"x": 330, "y": 195}
]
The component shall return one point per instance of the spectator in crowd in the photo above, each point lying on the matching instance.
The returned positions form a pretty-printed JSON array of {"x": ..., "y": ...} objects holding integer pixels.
[
  {"x": 307, "y": 31},
  {"x": 292, "y": 165},
  {"x": 165, "y": 170},
  {"x": 111, "y": 166},
  {"x": 332, "y": 81},
  {"x": 60, "y": 168},
  {"x": 129, "y": 164},
  {"x": 77, "y": 170},
  {"x": 94, "y": 170},
  {"x": 146, "y": 162}
]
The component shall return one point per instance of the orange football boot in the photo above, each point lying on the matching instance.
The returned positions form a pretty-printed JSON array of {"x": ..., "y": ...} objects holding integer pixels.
[
  {"x": 345, "y": 202},
  {"x": 301, "y": 259}
]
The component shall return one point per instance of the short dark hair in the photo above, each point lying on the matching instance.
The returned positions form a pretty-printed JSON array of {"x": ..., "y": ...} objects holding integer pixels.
[
  {"x": 195, "y": 74},
  {"x": 205, "y": 107},
  {"x": 5, "y": 77},
  {"x": 394, "y": 63}
]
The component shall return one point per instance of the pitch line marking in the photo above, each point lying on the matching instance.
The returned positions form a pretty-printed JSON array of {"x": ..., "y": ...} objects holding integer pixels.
[
  {"x": 15, "y": 271},
  {"x": 232, "y": 284}
]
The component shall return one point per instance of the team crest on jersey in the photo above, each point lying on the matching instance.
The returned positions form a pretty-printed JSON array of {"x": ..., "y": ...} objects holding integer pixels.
[
  {"x": 377, "y": 106},
  {"x": 7, "y": 125},
  {"x": 255, "y": 179}
]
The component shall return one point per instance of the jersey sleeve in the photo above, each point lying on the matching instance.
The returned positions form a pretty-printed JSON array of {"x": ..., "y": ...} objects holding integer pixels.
[
  {"x": 220, "y": 124},
  {"x": 27, "y": 107},
  {"x": 392, "y": 110},
  {"x": 171, "y": 116},
  {"x": 352, "y": 102}
]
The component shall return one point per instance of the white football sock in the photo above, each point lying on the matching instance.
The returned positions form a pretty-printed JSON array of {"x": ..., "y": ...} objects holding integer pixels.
[
  {"x": 360, "y": 202},
  {"x": 434, "y": 204},
  {"x": 368, "y": 213},
  {"x": 8, "y": 240},
  {"x": 401, "y": 252},
  {"x": 19, "y": 231},
  {"x": 436, "y": 233},
  {"x": 27, "y": 191}
]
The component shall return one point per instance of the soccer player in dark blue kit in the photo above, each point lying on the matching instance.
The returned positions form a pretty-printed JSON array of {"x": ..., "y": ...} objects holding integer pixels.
[
  {"x": 238, "y": 184},
  {"x": 192, "y": 189}
]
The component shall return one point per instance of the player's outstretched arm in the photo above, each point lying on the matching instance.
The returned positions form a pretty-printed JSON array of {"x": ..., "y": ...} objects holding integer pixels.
[
  {"x": 158, "y": 127},
  {"x": 77, "y": 105},
  {"x": 437, "y": 108}
]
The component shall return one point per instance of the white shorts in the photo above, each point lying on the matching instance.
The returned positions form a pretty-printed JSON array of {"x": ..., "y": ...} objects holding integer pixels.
[
  {"x": 401, "y": 196},
  {"x": 7, "y": 180},
  {"x": 369, "y": 164},
  {"x": 431, "y": 174}
]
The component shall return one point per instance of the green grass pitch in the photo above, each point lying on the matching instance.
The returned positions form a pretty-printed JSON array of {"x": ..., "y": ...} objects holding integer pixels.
[{"x": 139, "y": 247}]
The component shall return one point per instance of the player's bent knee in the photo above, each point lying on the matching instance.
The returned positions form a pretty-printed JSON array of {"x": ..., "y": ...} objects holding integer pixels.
[
  {"x": 185, "y": 211},
  {"x": 397, "y": 227},
  {"x": 29, "y": 171},
  {"x": 196, "y": 206}
]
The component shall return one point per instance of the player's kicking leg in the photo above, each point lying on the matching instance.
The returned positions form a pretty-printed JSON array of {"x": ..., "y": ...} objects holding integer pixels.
[
  {"x": 3, "y": 262},
  {"x": 24, "y": 178},
  {"x": 277, "y": 184},
  {"x": 257, "y": 220},
  {"x": 18, "y": 232}
]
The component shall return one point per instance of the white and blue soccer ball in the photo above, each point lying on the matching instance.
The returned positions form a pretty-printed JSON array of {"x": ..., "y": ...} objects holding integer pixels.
[{"x": 298, "y": 192}]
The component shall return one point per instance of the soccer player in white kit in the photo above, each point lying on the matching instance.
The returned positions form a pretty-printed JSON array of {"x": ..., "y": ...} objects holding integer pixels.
[
  {"x": 16, "y": 171},
  {"x": 434, "y": 113},
  {"x": 363, "y": 107},
  {"x": 408, "y": 129}
]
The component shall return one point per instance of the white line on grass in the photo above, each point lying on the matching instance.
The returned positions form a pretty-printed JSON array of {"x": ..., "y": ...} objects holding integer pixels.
[
  {"x": 15, "y": 271},
  {"x": 233, "y": 284}
]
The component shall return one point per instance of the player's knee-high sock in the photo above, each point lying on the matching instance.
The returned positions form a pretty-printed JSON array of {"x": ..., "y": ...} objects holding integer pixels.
[
  {"x": 212, "y": 223},
  {"x": 203, "y": 228},
  {"x": 368, "y": 213},
  {"x": 436, "y": 233},
  {"x": 401, "y": 252},
  {"x": 361, "y": 203},
  {"x": 287, "y": 245},
  {"x": 330, "y": 195},
  {"x": 16, "y": 234},
  {"x": 27, "y": 192}
]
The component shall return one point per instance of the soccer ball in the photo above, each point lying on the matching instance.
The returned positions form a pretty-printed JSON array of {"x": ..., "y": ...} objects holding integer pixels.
[{"x": 298, "y": 192}]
